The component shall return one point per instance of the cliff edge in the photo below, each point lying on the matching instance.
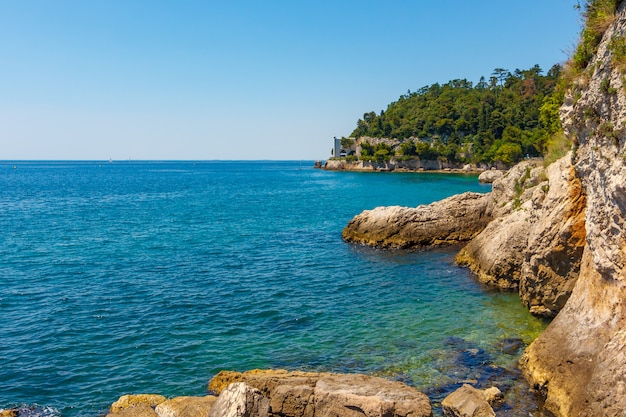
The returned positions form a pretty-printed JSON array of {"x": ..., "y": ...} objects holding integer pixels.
[{"x": 580, "y": 360}]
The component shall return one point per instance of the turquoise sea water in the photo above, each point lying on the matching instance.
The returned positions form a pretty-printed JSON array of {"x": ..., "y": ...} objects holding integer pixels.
[{"x": 132, "y": 277}]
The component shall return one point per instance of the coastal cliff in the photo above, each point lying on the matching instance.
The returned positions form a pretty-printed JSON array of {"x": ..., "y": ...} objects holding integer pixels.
[
  {"x": 558, "y": 236},
  {"x": 580, "y": 360}
]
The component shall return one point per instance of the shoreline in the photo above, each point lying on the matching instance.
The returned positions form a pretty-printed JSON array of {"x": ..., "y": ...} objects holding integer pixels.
[{"x": 410, "y": 166}]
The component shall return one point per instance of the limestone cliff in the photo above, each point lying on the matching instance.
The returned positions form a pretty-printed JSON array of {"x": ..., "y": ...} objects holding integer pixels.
[
  {"x": 580, "y": 360},
  {"x": 536, "y": 240}
]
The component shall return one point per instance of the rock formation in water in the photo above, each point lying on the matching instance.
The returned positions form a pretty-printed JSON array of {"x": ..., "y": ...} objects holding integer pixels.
[
  {"x": 468, "y": 401},
  {"x": 278, "y": 393},
  {"x": 527, "y": 234},
  {"x": 306, "y": 394},
  {"x": 451, "y": 221}
]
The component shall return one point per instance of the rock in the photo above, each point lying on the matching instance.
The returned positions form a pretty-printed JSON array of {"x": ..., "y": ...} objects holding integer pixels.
[
  {"x": 493, "y": 395},
  {"x": 467, "y": 401},
  {"x": 536, "y": 246},
  {"x": 510, "y": 345},
  {"x": 307, "y": 394},
  {"x": 186, "y": 406},
  {"x": 453, "y": 220},
  {"x": 361, "y": 395},
  {"x": 12, "y": 412},
  {"x": 125, "y": 401},
  {"x": 487, "y": 177},
  {"x": 496, "y": 255},
  {"x": 138, "y": 410},
  {"x": 240, "y": 400},
  {"x": 289, "y": 392},
  {"x": 265, "y": 380},
  {"x": 579, "y": 361},
  {"x": 556, "y": 240}
]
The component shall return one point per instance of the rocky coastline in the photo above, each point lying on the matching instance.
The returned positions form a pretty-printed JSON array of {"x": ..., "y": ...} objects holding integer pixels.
[
  {"x": 274, "y": 393},
  {"x": 412, "y": 165},
  {"x": 557, "y": 235}
]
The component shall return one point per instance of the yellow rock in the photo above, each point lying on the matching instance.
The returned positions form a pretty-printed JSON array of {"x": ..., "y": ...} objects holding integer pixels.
[{"x": 126, "y": 401}]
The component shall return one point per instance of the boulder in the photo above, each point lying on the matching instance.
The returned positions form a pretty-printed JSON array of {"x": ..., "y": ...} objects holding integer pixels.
[
  {"x": 307, "y": 394},
  {"x": 126, "y": 401},
  {"x": 240, "y": 400},
  {"x": 186, "y": 406},
  {"x": 12, "y": 412},
  {"x": 362, "y": 395},
  {"x": 451, "y": 221},
  {"x": 487, "y": 177},
  {"x": 468, "y": 401}
]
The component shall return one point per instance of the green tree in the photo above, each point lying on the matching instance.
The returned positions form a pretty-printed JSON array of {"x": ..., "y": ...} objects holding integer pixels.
[
  {"x": 346, "y": 143},
  {"x": 508, "y": 153}
]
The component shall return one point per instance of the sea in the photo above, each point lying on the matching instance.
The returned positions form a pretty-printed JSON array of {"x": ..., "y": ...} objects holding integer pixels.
[{"x": 129, "y": 277}]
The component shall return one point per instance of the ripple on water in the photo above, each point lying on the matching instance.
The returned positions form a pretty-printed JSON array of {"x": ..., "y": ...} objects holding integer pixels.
[{"x": 146, "y": 277}]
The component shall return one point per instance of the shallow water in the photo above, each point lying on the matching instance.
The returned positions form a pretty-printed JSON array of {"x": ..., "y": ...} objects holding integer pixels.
[{"x": 131, "y": 277}]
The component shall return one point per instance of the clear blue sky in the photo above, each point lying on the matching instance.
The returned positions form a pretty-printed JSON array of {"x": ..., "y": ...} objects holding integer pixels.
[{"x": 202, "y": 79}]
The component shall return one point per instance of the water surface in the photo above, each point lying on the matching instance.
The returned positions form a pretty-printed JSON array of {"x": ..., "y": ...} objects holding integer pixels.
[{"x": 132, "y": 277}]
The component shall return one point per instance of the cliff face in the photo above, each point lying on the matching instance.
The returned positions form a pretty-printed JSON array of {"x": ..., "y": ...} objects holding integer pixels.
[
  {"x": 535, "y": 242},
  {"x": 580, "y": 360}
]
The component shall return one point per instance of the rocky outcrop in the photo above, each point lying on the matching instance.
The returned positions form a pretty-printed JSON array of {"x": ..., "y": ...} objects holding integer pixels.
[
  {"x": 394, "y": 165},
  {"x": 279, "y": 393},
  {"x": 451, "y": 221},
  {"x": 129, "y": 401},
  {"x": 186, "y": 406},
  {"x": 535, "y": 243},
  {"x": 488, "y": 177},
  {"x": 579, "y": 362},
  {"x": 304, "y": 394},
  {"x": 468, "y": 401},
  {"x": 240, "y": 400},
  {"x": 154, "y": 405},
  {"x": 527, "y": 234}
]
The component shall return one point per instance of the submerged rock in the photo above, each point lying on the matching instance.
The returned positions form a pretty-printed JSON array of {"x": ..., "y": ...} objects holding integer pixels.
[{"x": 510, "y": 345}]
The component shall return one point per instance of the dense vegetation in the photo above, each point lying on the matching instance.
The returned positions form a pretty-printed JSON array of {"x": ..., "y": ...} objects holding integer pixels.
[{"x": 508, "y": 117}]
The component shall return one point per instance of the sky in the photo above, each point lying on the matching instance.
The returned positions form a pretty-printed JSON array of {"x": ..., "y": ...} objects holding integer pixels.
[{"x": 243, "y": 79}]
